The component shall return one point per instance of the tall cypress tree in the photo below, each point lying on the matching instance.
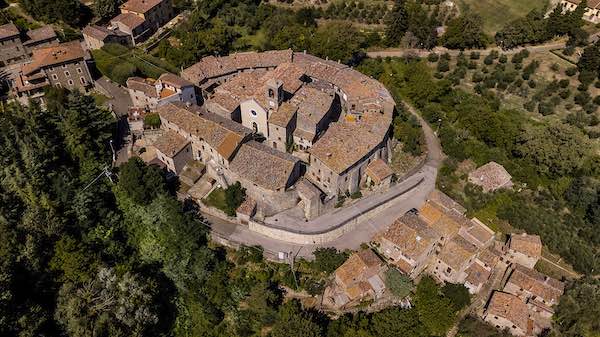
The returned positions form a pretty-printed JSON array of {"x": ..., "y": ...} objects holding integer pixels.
[{"x": 397, "y": 24}]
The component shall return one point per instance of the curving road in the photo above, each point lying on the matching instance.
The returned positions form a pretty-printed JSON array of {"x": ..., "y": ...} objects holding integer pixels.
[{"x": 364, "y": 231}]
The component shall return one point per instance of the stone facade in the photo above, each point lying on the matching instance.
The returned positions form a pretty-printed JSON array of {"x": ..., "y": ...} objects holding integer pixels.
[{"x": 11, "y": 47}]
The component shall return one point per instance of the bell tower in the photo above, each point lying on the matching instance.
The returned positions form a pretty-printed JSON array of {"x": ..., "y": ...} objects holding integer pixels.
[{"x": 274, "y": 93}]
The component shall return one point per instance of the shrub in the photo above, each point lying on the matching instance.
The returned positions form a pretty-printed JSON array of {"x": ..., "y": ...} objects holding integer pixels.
[
  {"x": 446, "y": 56},
  {"x": 597, "y": 84},
  {"x": 433, "y": 57},
  {"x": 565, "y": 94},
  {"x": 582, "y": 98},
  {"x": 503, "y": 59},
  {"x": 530, "y": 106},
  {"x": 488, "y": 60},
  {"x": 474, "y": 55},
  {"x": 472, "y": 65},
  {"x": 400, "y": 285},
  {"x": 545, "y": 108},
  {"x": 438, "y": 75},
  {"x": 531, "y": 84},
  {"x": 443, "y": 66},
  {"x": 555, "y": 67},
  {"x": 586, "y": 77},
  {"x": 571, "y": 71},
  {"x": 597, "y": 100},
  {"x": 152, "y": 120},
  {"x": 356, "y": 195},
  {"x": 564, "y": 83},
  {"x": 590, "y": 108}
]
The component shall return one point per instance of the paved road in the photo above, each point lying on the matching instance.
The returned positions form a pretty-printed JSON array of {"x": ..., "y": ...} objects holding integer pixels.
[
  {"x": 120, "y": 101},
  {"x": 365, "y": 230}
]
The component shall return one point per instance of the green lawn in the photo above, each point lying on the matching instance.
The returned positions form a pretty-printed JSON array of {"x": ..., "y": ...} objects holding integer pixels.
[
  {"x": 496, "y": 13},
  {"x": 216, "y": 199}
]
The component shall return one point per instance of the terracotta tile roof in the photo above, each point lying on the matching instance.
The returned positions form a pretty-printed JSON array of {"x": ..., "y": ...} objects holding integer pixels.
[
  {"x": 491, "y": 177},
  {"x": 230, "y": 94},
  {"x": 449, "y": 224},
  {"x": 144, "y": 85},
  {"x": 140, "y": 6},
  {"x": 403, "y": 265},
  {"x": 477, "y": 233},
  {"x": 8, "y": 30},
  {"x": 248, "y": 207},
  {"x": 101, "y": 33},
  {"x": 283, "y": 114},
  {"x": 47, "y": 56},
  {"x": 212, "y": 67},
  {"x": 509, "y": 307},
  {"x": 263, "y": 165},
  {"x": 129, "y": 20},
  {"x": 378, "y": 170},
  {"x": 457, "y": 252},
  {"x": 40, "y": 34},
  {"x": 221, "y": 133},
  {"x": 430, "y": 213},
  {"x": 445, "y": 202},
  {"x": 174, "y": 80},
  {"x": 530, "y": 245},
  {"x": 537, "y": 284},
  {"x": 477, "y": 274},
  {"x": 166, "y": 93},
  {"x": 411, "y": 235},
  {"x": 489, "y": 257},
  {"x": 356, "y": 267},
  {"x": 170, "y": 143},
  {"x": 289, "y": 74},
  {"x": 313, "y": 101}
]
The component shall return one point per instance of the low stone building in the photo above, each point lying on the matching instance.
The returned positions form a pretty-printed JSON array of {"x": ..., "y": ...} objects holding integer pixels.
[
  {"x": 63, "y": 65},
  {"x": 40, "y": 37},
  {"x": 358, "y": 279},
  {"x": 592, "y": 11},
  {"x": 148, "y": 94},
  {"x": 477, "y": 274},
  {"x": 541, "y": 292},
  {"x": 11, "y": 47},
  {"x": 477, "y": 233},
  {"x": 379, "y": 173},
  {"x": 96, "y": 37},
  {"x": 524, "y": 249},
  {"x": 506, "y": 311},
  {"x": 453, "y": 260},
  {"x": 490, "y": 177},
  {"x": 408, "y": 243},
  {"x": 173, "y": 150}
]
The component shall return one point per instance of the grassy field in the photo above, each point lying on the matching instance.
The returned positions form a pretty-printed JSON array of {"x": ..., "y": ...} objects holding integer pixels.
[{"x": 496, "y": 13}]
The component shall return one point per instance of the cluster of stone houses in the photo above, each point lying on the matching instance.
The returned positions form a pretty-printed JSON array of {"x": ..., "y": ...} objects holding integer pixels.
[
  {"x": 592, "y": 11},
  {"x": 138, "y": 20},
  {"x": 16, "y": 47},
  {"x": 438, "y": 239},
  {"x": 334, "y": 119}
]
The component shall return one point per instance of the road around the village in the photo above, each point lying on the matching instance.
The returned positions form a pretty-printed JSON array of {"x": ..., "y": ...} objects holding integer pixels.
[{"x": 236, "y": 234}]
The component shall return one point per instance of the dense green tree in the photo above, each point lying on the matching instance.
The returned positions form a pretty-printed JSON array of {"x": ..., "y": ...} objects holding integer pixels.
[
  {"x": 397, "y": 23},
  {"x": 578, "y": 309},
  {"x": 465, "y": 32},
  {"x": 328, "y": 260},
  {"x": 140, "y": 183},
  {"x": 400, "y": 285},
  {"x": 457, "y": 294},
  {"x": 53, "y": 11},
  {"x": 394, "y": 322},
  {"x": 434, "y": 310},
  {"x": 105, "y": 9}
]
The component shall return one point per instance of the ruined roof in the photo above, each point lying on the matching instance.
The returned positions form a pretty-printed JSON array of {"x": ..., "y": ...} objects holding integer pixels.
[
  {"x": 129, "y": 20},
  {"x": 140, "y": 6},
  {"x": 457, "y": 252},
  {"x": 47, "y": 56},
  {"x": 411, "y": 235},
  {"x": 477, "y": 274},
  {"x": 283, "y": 114},
  {"x": 355, "y": 268},
  {"x": 143, "y": 85},
  {"x": 221, "y": 133},
  {"x": 170, "y": 143},
  {"x": 530, "y": 245},
  {"x": 174, "y": 80},
  {"x": 490, "y": 177},
  {"x": 537, "y": 284},
  {"x": 263, "y": 165},
  {"x": 307, "y": 189},
  {"x": 8, "y": 30},
  {"x": 378, "y": 170},
  {"x": 41, "y": 34},
  {"x": 489, "y": 257},
  {"x": 509, "y": 307},
  {"x": 248, "y": 207}
]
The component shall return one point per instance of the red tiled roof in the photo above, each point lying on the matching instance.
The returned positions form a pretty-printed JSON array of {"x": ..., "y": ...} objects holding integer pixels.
[
  {"x": 129, "y": 20},
  {"x": 43, "y": 57},
  {"x": 140, "y": 6}
]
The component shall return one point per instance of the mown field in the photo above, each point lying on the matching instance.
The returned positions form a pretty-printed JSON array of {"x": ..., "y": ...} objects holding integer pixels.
[{"x": 496, "y": 13}]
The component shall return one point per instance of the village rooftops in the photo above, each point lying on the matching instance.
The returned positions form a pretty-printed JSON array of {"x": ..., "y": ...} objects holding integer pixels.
[
  {"x": 174, "y": 80},
  {"x": 449, "y": 224},
  {"x": 144, "y": 85},
  {"x": 41, "y": 34},
  {"x": 357, "y": 264},
  {"x": 378, "y": 170},
  {"x": 536, "y": 283},
  {"x": 313, "y": 103},
  {"x": 289, "y": 74},
  {"x": 477, "y": 233},
  {"x": 590, "y": 4},
  {"x": 129, "y": 20},
  {"x": 491, "y": 177},
  {"x": 411, "y": 235},
  {"x": 477, "y": 274},
  {"x": 509, "y": 307},
  {"x": 213, "y": 67},
  {"x": 221, "y": 133},
  {"x": 140, "y": 6},
  {"x": 170, "y": 143},
  {"x": 457, "y": 252},
  {"x": 263, "y": 165},
  {"x": 283, "y": 114},
  {"x": 445, "y": 202},
  {"x": 8, "y": 30},
  {"x": 101, "y": 33},
  {"x": 49, "y": 56},
  {"x": 247, "y": 207},
  {"x": 530, "y": 245}
]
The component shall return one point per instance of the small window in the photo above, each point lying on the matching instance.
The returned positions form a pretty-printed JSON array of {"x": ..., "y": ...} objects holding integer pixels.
[
  {"x": 54, "y": 77},
  {"x": 82, "y": 80},
  {"x": 79, "y": 71},
  {"x": 253, "y": 113},
  {"x": 67, "y": 73},
  {"x": 70, "y": 82}
]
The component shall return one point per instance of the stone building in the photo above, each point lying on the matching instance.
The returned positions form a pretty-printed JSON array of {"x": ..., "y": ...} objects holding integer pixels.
[
  {"x": 174, "y": 151},
  {"x": 490, "y": 177},
  {"x": 63, "y": 65},
  {"x": 356, "y": 280},
  {"x": 540, "y": 292},
  {"x": 40, "y": 37},
  {"x": 11, "y": 47},
  {"x": 452, "y": 261},
  {"x": 524, "y": 249},
  {"x": 96, "y": 37},
  {"x": 148, "y": 94},
  {"x": 506, "y": 311},
  {"x": 408, "y": 243},
  {"x": 592, "y": 12}
]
